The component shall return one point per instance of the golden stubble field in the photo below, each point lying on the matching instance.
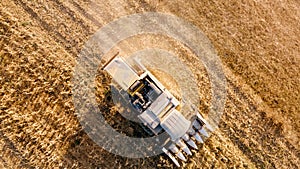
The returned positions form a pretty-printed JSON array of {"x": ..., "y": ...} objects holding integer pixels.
[{"x": 257, "y": 41}]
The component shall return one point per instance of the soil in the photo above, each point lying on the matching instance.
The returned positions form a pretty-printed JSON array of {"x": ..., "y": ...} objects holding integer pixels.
[{"x": 258, "y": 43}]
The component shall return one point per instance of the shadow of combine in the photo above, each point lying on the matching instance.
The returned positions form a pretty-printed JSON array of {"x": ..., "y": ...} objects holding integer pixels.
[{"x": 83, "y": 152}]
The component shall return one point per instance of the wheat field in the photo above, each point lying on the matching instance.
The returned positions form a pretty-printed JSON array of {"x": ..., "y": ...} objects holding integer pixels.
[{"x": 258, "y": 43}]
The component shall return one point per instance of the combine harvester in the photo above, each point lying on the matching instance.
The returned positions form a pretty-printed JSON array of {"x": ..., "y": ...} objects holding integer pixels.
[{"x": 158, "y": 109}]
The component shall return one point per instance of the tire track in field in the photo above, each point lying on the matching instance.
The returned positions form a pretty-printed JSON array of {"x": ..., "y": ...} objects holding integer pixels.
[
  {"x": 71, "y": 24},
  {"x": 16, "y": 153},
  {"x": 141, "y": 6},
  {"x": 265, "y": 142},
  {"x": 254, "y": 108},
  {"x": 57, "y": 35},
  {"x": 256, "y": 160},
  {"x": 65, "y": 21},
  {"x": 229, "y": 126},
  {"x": 236, "y": 137},
  {"x": 86, "y": 15},
  {"x": 71, "y": 13}
]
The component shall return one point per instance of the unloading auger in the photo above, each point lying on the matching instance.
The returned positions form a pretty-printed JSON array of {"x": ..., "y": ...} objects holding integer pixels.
[{"x": 158, "y": 108}]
